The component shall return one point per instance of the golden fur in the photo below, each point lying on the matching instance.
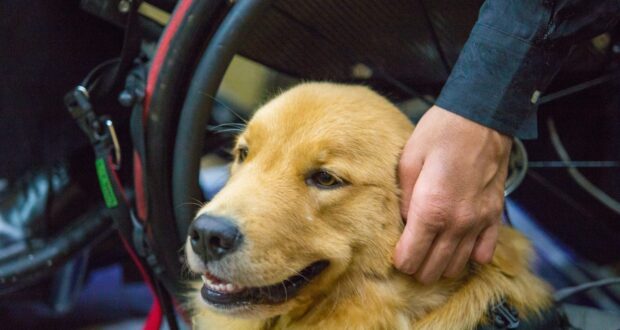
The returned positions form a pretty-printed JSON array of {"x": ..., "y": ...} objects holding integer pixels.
[{"x": 287, "y": 224}]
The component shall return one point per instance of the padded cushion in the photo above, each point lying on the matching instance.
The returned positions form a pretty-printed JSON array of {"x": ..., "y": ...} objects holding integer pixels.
[{"x": 415, "y": 41}]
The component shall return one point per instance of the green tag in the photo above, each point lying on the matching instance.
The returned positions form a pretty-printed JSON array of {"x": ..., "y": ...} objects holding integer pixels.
[{"x": 106, "y": 186}]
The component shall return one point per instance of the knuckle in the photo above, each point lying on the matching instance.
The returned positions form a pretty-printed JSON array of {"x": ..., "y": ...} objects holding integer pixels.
[
  {"x": 438, "y": 216},
  {"x": 495, "y": 203},
  {"x": 465, "y": 219},
  {"x": 496, "y": 206},
  {"x": 436, "y": 212},
  {"x": 431, "y": 209},
  {"x": 492, "y": 212},
  {"x": 499, "y": 201},
  {"x": 431, "y": 221}
]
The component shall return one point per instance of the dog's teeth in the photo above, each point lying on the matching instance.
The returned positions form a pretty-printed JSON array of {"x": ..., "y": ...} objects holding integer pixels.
[{"x": 220, "y": 285}]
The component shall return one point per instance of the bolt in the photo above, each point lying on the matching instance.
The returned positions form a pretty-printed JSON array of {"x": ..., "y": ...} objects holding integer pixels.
[
  {"x": 361, "y": 71},
  {"x": 126, "y": 98}
]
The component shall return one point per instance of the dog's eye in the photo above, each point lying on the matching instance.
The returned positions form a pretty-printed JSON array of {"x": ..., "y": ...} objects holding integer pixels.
[
  {"x": 242, "y": 154},
  {"x": 324, "y": 179}
]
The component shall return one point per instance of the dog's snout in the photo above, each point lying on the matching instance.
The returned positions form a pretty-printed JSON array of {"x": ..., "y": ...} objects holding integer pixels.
[{"x": 213, "y": 237}]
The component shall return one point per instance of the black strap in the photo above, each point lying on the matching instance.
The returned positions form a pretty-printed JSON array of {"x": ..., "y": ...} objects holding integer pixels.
[
  {"x": 503, "y": 316},
  {"x": 101, "y": 134}
]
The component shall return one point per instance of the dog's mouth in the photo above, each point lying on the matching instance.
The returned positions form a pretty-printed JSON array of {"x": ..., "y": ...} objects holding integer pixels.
[{"x": 223, "y": 294}]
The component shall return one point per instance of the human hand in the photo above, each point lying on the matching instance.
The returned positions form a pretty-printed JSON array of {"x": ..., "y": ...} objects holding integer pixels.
[{"x": 452, "y": 175}]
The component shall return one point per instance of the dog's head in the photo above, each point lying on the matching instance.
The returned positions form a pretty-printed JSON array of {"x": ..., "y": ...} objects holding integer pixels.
[{"x": 312, "y": 197}]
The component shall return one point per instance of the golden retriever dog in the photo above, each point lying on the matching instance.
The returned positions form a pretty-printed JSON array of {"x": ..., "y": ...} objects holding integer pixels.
[{"x": 303, "y": 233}]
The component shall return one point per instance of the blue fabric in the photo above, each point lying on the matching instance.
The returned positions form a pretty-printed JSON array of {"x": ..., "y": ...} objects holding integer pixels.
[{"x": 513, "y": 52}]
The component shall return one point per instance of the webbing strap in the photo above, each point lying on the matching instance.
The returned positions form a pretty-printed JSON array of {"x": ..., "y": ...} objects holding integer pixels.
[{"x": 100, "y": 132}]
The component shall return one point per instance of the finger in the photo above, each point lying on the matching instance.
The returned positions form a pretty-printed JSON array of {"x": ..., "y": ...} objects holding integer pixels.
[
  {"x": 409, "y": 168},
  {"x": 485, "y": 245},
  {"x": 440, "y": 255},
  {"x": 413, "y": 246},
  {"x": 461, "y": 255}
]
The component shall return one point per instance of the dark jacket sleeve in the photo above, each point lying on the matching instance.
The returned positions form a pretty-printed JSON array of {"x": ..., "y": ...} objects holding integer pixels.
[{"x": 513, "y": 52}]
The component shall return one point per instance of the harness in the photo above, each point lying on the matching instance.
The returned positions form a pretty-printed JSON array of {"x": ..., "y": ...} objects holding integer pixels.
[{"x": 503, "y": 316}]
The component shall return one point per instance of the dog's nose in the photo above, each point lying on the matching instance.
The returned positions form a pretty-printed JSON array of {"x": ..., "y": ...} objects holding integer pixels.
[{"x": 213, "y": 237}]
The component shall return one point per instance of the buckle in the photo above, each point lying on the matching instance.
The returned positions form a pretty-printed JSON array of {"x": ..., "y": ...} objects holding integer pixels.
[
  {"x": 504, "y": 316},
  {"x": 99, "y": 130}
]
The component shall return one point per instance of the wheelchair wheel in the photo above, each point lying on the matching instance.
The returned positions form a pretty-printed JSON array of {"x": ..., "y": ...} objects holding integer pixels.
[{"x": 314, "y": 41}]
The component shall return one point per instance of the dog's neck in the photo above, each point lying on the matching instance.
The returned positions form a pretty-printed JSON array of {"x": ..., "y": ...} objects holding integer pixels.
[{"x": 395, "y": 295}]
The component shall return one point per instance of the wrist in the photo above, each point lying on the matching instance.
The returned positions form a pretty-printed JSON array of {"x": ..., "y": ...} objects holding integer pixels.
[{"x": 465, "y": 125}]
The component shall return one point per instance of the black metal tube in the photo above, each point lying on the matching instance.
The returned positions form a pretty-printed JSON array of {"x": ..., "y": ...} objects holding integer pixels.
[
  {"x": 88, "y": 230},
  {"x": 195, "y": 114}
]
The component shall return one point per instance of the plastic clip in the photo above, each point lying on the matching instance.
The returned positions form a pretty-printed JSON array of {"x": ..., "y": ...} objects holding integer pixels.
[
  {"x": 504, "y": 316},
  {"x": 99, "y": 130}
]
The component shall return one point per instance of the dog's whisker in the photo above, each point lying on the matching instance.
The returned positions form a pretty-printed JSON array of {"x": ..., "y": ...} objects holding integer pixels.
[
  {"x": 198, "y": 201},
  {"x": 194, "y": 202},
  {"x": 285, "y": 292},
  {"x": 231, "y": 124},
  {"x": 191, "y": 204},
  {"x": 227, "y": 131},
  {"x": 226, "y": 125},
  {"x": 225, "y": 106},
  {"x": 296, "y": 272}
]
